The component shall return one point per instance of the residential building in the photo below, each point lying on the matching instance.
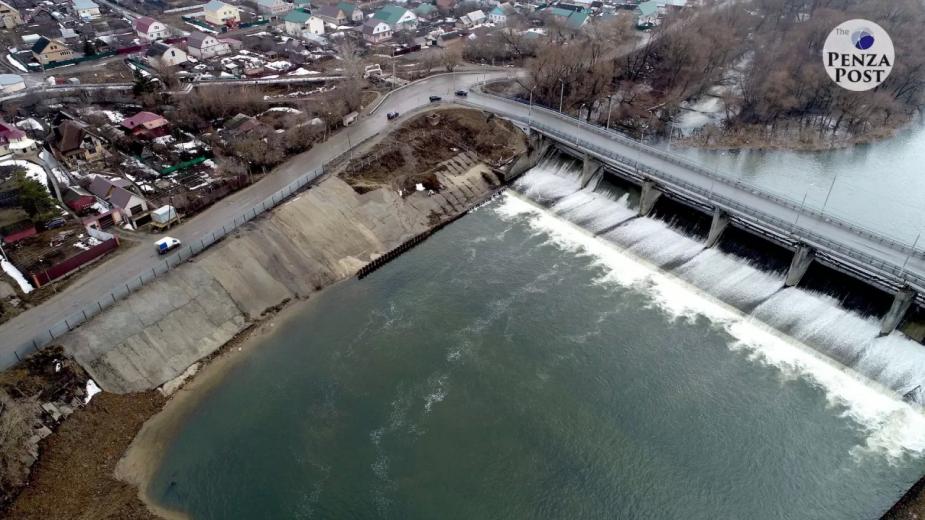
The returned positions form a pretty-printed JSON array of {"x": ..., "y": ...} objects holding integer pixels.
[
  {"x": 113, "y": 191},
  {"x": 572, "y": 19},
  {"x": 273, "y": 8},
  {"x": 164, "y": 55},
  {"x": 12, "y": 233},
  {"x": 331, "y": 14},
  {"x": 9, "y": 16},
  {"x": 205, "y": 46},
  {"x": 14, "y": 140},
  {"x": 47, "y": 51},
  {"x": 646, "y": 14},
  {"x": 145, "y": 125},
  {"x": 71, "y": 142},
  {"x": 86, "y": 9},
  {"x": 78, "y": 199},
  {"x": 219, "y": 13},
  {"x": 297, "y": 23},
  {"x": 426, "y": 11},
  {"x": 352, "y": 11},
  {"x": 376, "y": 31},
  {"x": 150, "y": 29},
  {"x": 499, "y": 14},
  {"x": 473, "y": 18},
  {"x": 397, "y": 17}
]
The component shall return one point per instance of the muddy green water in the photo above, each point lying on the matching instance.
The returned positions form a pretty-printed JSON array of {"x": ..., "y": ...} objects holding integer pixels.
[{"x": 514, "y": 367}]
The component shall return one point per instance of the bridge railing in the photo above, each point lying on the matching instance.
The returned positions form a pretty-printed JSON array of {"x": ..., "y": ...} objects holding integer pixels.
[
  {"x": 679, "y": 160},
  {"x": 736, "y": 208}
]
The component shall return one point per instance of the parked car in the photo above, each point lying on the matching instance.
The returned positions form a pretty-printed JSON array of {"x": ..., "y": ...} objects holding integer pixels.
[
  {"x": 434, "y": 99},
  {"x": 55, "y": 223},
  {"x": 391, "y": 115},
  {"x": 166, "y": 245},
  {"x": 462, "y": 93}
]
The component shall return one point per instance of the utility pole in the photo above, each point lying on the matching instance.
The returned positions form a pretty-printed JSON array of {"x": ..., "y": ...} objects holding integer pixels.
[
  {"x": 561, "y": 94},
  {"x": 826, "y": 202}
]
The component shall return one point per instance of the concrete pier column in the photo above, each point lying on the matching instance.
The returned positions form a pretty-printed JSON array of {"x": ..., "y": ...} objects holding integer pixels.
[
  {"x": 901, "y": 303},
  {"x": 798, "y": 266},
  {"x": 650, "y": 195},
  {"x": 589, "y": 167},
  {"x": 720, "y": 221}
]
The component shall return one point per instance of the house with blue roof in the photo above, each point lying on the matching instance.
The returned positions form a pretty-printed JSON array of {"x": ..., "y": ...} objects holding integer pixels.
[
  {"x": 499, "y": 14},
  {"x": 646, "y": 14}
]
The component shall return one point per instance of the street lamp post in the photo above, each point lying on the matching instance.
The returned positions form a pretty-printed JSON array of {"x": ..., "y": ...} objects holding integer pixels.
[
  {"x": 609, "y": 104},
  {"x": 530, "y": 114},
  {"x": 829, "y": 193},
  {"x": 561, "y": 94}
]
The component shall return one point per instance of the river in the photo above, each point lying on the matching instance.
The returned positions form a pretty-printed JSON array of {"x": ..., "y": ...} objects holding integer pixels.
[
  {"x": 516, "y": 365},
  {"x": 878, "y": 186}
]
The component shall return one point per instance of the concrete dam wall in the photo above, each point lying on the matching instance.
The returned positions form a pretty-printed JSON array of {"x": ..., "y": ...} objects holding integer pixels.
[{"x": 321, "y": 236}]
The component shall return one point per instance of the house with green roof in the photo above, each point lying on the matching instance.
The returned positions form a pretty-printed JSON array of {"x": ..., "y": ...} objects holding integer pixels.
[
  {"x": 352, "y": 11},
  {"x": 425, "y": 11},
  {"x": 397, "y": 17},
  {"x": 499, "y": 14},
  {"x": 298, "y": 22},
  {"x": 572, "y": 19},
  {"x": 646, "y": 14}
]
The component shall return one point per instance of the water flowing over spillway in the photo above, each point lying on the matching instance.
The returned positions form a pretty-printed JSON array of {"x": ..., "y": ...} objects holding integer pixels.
[
  {"x": 894, "y": 361},
  {"x": 552, "y": 355}
]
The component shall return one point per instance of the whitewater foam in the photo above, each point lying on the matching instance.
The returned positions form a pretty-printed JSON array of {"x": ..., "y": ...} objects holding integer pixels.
[{"x": 892, "y": 427}]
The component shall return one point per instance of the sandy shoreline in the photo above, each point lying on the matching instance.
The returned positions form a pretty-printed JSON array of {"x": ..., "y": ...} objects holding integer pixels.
[{"x": 142, "y": 459}]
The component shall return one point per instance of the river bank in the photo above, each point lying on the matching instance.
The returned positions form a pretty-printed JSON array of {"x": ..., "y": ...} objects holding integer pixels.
[{"x": 202, "y": 313}]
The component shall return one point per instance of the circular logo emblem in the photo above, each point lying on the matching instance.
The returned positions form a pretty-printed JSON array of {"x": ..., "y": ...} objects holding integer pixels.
[{"x": 858, "y": 55}]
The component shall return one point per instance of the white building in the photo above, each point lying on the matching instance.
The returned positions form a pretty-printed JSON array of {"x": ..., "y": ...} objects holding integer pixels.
[
  {"x": 298, "y": 23},
  {"x": 150, "y": 29},
  {"x": 205, "y": 46},
  {"x": 219, "y": 13},
  {"x": 164, "y": 55},
  {"x": 376, "y": 31},
  {"x": 87, "y": 9},
  {"x": 473, "y": 18},
  {"x": 273, "y": 8}
]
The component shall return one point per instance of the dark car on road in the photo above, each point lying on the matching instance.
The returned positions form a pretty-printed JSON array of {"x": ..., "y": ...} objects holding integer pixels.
[
  {"x": 391, "y": 115},
  {"x": 462, "y": 93},
  {"x": 434, "y": 99}
]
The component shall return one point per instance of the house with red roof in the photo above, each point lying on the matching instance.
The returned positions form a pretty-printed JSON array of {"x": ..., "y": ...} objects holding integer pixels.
[
  {"x": 150, "y": 29},
  {"x": 145, "y": 125},
  {"x": 15, "y": 141}
]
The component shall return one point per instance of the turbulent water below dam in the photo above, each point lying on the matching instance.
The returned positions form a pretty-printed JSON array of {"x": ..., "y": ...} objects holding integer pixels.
[{"x": 553, "y": 356}]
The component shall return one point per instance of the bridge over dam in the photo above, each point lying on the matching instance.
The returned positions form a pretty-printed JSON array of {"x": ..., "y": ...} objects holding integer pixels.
[{"x": 878, "y": 260}]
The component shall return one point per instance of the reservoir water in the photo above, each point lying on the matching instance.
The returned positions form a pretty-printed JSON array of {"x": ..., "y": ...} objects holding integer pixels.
[{"x": 518, "y": 365}]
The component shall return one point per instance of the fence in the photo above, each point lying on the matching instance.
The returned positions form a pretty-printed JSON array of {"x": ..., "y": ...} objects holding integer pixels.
[
  {"x": 67, "y": 265},
  {"x": 135, "y": 283},
  {"x": 684, "y": 162},
  {"x": 861, "y": 260}
]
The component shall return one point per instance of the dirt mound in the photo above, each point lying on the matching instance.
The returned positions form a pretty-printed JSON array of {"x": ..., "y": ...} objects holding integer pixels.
[{"x": 404, "y": 159}]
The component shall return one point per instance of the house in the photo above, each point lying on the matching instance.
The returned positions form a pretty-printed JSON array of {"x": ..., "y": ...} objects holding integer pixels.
[
  {"x": 164, "y": 55},
  {"x": 114, "y": 191},
  {"x": 499, "y": 14},
  {"x": 331, "y": 14},
  {"x": 473, "y": 18},
  {"x": 426, "y": 11},
  {"x": 17, "y": 231},
  {"x": 15, "y": 141},
  {"x": 397, "y": 17},
  {"x": 352, "y": 11},
  {"x": 646, "y": 14},
  {"x": 86, "y": 9},
  {"x": 376, "y": 31},
  {"x": 70, "y": 142},
  {"x": 78, "y": 199},
  {"x": 273, "y": 8},
  {"x": 9, "y": 16},
  {"x": 219, "y": 13},
  {"x": 242, "y": 124},
  {"x": 145, "y": 125},
  {"x": 47, "y": 51},
  {"x": 150, "y": 29},
  {"x": 297, "y": 23},
  {"x": 204, "y": 46},
  {"x": 572, "y": 19}
]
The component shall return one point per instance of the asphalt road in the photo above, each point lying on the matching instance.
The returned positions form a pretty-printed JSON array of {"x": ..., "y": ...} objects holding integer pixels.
[{"x": 95, "y": 285}]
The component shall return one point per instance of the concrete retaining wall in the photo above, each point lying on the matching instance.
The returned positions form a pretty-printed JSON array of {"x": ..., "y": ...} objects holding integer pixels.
[{"x": 323, "y": 235}]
